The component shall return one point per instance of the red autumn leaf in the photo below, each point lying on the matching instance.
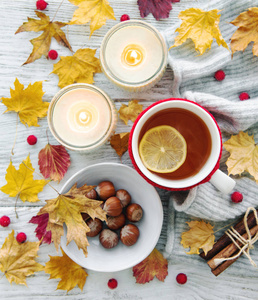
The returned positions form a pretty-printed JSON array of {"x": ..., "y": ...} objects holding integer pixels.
[
  {"x": 153, "y": 265},
  {"x": 54, "y": 161},
  {"x": 159, "y": 8},
  {"x": 41, "y": 230}
]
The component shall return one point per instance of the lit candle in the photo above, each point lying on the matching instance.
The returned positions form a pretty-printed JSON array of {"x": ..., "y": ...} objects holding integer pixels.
[
  {"x": 133, "y": 55},
  {"x": 81, "y": 117}
]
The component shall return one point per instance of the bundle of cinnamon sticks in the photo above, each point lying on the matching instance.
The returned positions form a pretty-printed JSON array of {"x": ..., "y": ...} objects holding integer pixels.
[{"x": 225, "y": 248}]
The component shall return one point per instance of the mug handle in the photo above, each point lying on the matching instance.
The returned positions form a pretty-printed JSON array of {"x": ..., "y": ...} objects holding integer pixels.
[{"x": 222, "y": 182}]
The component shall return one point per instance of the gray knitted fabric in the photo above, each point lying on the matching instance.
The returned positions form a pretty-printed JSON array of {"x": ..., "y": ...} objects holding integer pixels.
[{"x": 194, "y": 80}]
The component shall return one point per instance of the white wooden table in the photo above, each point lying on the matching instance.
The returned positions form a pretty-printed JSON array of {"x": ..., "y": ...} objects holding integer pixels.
[{"x": 14, "y": 50}]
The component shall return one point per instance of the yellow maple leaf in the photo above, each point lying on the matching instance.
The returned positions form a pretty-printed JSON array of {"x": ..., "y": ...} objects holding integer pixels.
[
  {"x": 199, "y": 236},
  {"x": 17, "y": 260},
  {"x": 63, "y": 267},
  {"x": 247, "y": 32},
  {"x": 243, "y": 154},
  {"x": 27, "y": 102},
  {"x": 66, "y": 209},
  {"x": 119, "y": 142},
  {"x": 130, "y": 111},
  {"x": 42, "y": 43},
  {"x": 94, "y": 11},
  {"x": 77, "y": 68},
  {"x": 21, "y": 183},
  {"x": 201, "y": 27}
]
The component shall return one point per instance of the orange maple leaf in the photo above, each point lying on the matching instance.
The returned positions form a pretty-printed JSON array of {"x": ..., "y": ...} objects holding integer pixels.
[
  {"x": 63, "y": 267},
  {"x": 119, "y": 142},
  {"x": 42, "y": 43},
  {"x": 246, "y": 33},
  {"x": 153, "y": 265}
]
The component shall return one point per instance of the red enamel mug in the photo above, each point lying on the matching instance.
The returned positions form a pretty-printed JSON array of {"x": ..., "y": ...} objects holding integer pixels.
[{"x": 209, "y": 169}]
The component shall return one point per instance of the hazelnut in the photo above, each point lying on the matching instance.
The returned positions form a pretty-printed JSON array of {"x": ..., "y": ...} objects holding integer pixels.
[
  {"x": 124, "y": 197},
  {"x": 92, "y": 194},
  {"x": 95, "y": 227},
  {"x": 108, "y": 238},
  {"x": 134, "y": 212},
  {"x": 129, "y": 234},
  {"x": 105, "y": 189},
  {"x": 115, "y": 223},
  {"x": 113, "y": 207}
]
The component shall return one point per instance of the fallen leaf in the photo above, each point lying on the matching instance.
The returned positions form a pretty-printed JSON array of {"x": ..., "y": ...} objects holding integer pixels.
[
  {"x": 160, "y": 9},
  {"x": 153, "y": 265},
  {"x": 119, "y": 142},
  {"x": 201, "y": 27},
  {"x": 78, "y": 191},
  {"x": 247, "y": 23},
  {"x": 42, "y": 43},
  {"x": 41, "y": 230},
  {"x": 130, "y": 111},
  {"x": 27, "y": 102},
  {"x": 66, "y": 209},
  {"x": 53, "y": 162},
  {"x": 77, "y": 68},
  {"x": 94, "y": 11},
  {"x": 71, "y": 273},
  {"x": 21, "y": 183},
  {"x": 17, "y": 260},
  {"x": 243, "y": 154},
  {"x": 199, "y": 236}
]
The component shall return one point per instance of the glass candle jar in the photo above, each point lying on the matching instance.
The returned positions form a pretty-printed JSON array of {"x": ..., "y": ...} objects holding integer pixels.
[
  {"x": 81, "y": 117},
  {"x": 133, "y": 55}
]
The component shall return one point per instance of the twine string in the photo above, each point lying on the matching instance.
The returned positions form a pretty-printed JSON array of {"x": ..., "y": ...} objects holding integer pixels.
[{"x": 246, "y": 244}]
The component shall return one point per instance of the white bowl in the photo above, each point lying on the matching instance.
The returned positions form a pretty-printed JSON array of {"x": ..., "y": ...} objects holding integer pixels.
[{"x": 120, "y": 257}]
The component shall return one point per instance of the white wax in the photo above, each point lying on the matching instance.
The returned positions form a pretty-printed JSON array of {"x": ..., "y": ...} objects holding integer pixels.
[
  {"x": 81, "y": 117},
  {"x": 137, "y": 35}
]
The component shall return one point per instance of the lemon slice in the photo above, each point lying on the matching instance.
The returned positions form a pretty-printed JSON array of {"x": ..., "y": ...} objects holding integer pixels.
[{"x": 162, "y": 149}]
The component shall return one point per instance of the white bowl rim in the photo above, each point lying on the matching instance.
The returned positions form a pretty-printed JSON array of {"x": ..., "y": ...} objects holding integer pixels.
[{"x": 140, "y": 257}]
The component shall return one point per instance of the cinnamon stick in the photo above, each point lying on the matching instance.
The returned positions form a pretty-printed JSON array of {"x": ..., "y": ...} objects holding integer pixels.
[
  {"x": 224, "y": 240},
  {"x": 230, "y": 249},
  {"x": 222, "y": 267}
]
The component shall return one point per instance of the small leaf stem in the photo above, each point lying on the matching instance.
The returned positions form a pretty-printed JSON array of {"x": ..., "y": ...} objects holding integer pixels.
[
  {"x": 224, "y": 227},
  {"x": 41, "y": 177},
  {"x": 57, "y": 10},
  {"x": 15, "y": 134},
  {"x": 15, "y": 206}
]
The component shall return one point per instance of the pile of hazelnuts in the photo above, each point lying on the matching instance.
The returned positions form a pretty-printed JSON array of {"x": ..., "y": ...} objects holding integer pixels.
[{"x": 120, "y": 211}]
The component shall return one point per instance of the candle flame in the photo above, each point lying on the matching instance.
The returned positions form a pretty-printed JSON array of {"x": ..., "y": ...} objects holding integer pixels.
[{"x": 132, "y": 55}]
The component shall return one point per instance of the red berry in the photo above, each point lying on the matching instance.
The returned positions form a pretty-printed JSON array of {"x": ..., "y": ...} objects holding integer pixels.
[
  {"x": 220, "y": 75},
  {"x": 5, "y": 221},
  {"x": 236, "y": 197},
  {"x": 244, "y": 96},
  {"x": 181, "y": 278},
  {"x": 31, "y": 139},
  {"x": 21, "y": 237},
  {"x": 52, "y": 54},
  {"x": 124, "y": 18},
  {"x": 41, "y": 4},
  {"x": 112, "y": 283}
]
